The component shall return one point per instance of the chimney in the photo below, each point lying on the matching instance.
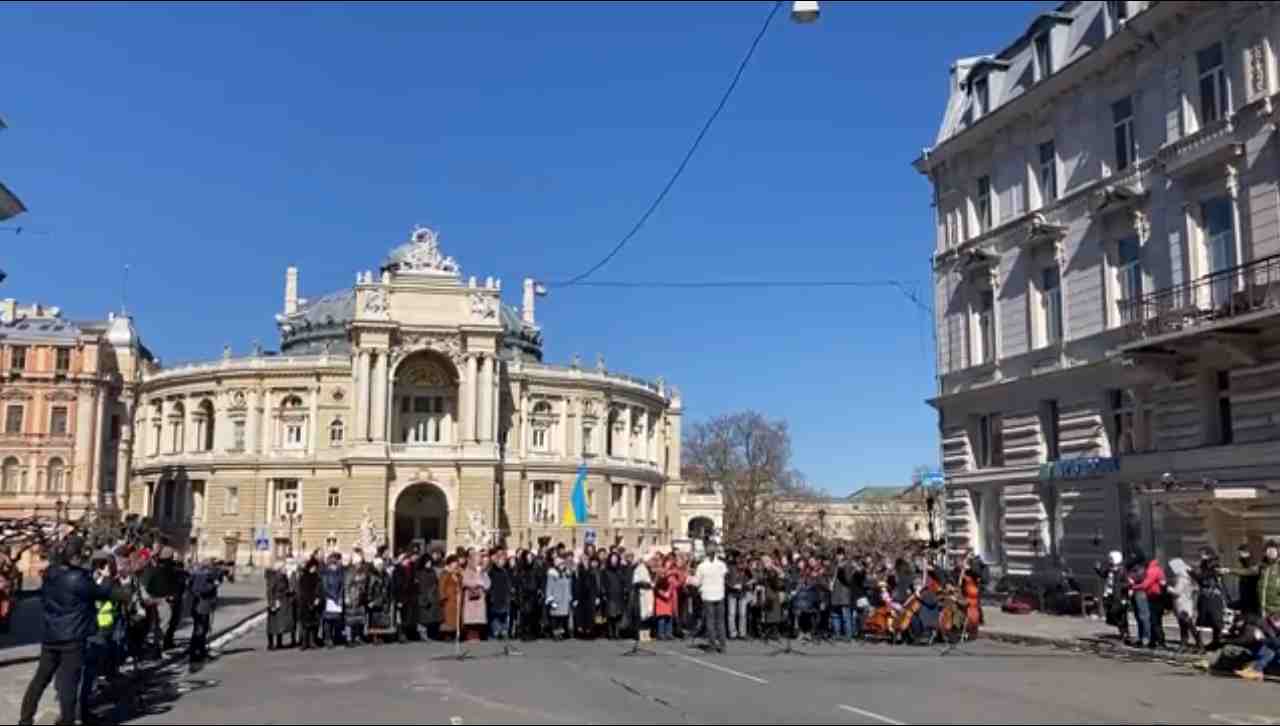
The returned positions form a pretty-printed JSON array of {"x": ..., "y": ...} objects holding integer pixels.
[
  {"x": 527, "y": 309},
  {"x": 8, "y": 309},
  {"x": 291, "y": 291}
]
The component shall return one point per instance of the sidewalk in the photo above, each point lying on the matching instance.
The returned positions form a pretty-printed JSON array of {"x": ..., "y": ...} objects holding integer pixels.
[
  {"x": 237, "y": 604},
  {"x": 1077, "y": 633}
]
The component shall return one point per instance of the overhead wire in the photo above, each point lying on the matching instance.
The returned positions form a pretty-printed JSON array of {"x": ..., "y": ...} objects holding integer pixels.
[{"x": 684, "y": 163}]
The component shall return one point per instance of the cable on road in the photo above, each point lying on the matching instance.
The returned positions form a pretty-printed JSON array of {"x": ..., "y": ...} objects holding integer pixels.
[{"x": 684, "y": 163}]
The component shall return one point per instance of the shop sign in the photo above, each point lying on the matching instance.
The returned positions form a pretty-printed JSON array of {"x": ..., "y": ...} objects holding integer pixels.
[{"x": 1085, "y": 468}]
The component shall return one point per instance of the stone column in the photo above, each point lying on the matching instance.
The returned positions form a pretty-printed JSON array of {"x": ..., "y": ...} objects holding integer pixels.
[
  {"x": 563, "y": 444},
  {"x": 644, "y": 436},
  {"x": 96, "y": 469},
  {"x": 469, "y": 418},
  {"x": 253, "y": 427},
  {"x": 484, "y": 400},
  {"x": 360, "y": 380},
  {"x": 379, "y": 417},
  {"x": 83, "y": 462},
  {"x": 626, "y": 435},
  {"x": 524, "y": 425},
  {"x": 313, "y": 440}
]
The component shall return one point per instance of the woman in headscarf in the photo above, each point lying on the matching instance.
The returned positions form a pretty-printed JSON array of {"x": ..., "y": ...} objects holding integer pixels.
[
  {"x": 559, "y": 598},
  {"x": 642, "y": 585},
  {"x": 427, "y": 590},
  {"x": 310, "y": 595},
  {"x": 475, "y": 587},
  {"x": 280, "y": 607},
  {"x": 615, "y": 588},
  {"x": 1183, "y": 590}
]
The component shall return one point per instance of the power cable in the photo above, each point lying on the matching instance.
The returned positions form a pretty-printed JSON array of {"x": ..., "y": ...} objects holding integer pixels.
[
  {"x": 684, "y": 163},
  {"x": 668, "y": 285}
]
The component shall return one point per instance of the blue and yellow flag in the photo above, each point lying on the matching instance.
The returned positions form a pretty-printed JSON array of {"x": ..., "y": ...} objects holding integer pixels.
[{"x": 576, "y": 512}]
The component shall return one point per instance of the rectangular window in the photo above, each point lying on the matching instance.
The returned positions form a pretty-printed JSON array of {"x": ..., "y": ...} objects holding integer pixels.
[
  {"x": 1051, "y": 300},
  {"x": 1048, "y": 173},
  {"x": 1129, "y": 266},
  {"x": 405, "y": 404},
  {"x": 1126, "y": 142},
  {"x": 545, "y": 502},
  {"x": 618, "y": 503},
  {"x": 337, "y": 432},
  {"x": 13, "y": 420},
  {"x": 588, "y": 446},
  {"x": 19, "y": 358},
  {"x": 335, "y": 497},
  {"x": 984, "y": 203},
  {"x": 422, "y": 404},
  {"x": 982, "y": 96},
  {"x": 1052, "y": 425},
  {"x": 987, "y": 325},
  {"x": 1129, "y": 423},
  {"x": 539, "y": 439},
  {"x": 58, "y": 421},
  {"x": 63, "y": 360},
  {"x": 1044, "y": 56},
  {"x": 231, "y": 505},
  {"x": 638, "y": 504},
  {"x": 1226, "y": 423},
  {"x": 293, "y": 436},
  {"x": 237, "y": 435},
  {"x": 1220, "y": 244},
  {"x": 1213, "y": 84},
  {"x": 990, "y": 449},
  {"x": 288, "y": 497}
]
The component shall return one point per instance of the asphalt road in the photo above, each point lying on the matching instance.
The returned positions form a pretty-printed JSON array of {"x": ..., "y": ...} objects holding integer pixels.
[{"x": 589, "y": 683}]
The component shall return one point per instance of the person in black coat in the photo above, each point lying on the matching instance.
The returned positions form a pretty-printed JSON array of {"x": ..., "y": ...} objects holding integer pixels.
[
  {"x": 531, "y": 575},
  {"x": 1211, "y": 604},
  {"x": 615, "y": 586},
  {"x": 69, "y": 599},
  {"x": 427, "y": 590},
  {"x": 586, "y": 594},
  {"x": 500, "y": 597},
  {"x": 309, "y": 602}
]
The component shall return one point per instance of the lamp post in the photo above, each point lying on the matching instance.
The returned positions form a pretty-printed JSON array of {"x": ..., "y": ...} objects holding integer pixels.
[{"x": 291, "y": 518}]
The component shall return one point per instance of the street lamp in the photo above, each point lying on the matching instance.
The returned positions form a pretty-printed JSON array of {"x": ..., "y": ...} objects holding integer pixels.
[
  {"x": 806, "y": 11},
  {"x": 291, "y": 518}
]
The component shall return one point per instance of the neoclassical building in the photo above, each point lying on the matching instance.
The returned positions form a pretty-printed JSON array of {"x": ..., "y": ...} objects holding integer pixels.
[
  {"x": 414, "y": 404},
  {"x": 67, "y": 390}
]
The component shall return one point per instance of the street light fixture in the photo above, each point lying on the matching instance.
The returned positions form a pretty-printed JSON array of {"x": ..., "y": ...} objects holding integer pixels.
[{"x": 806, "y": 11}]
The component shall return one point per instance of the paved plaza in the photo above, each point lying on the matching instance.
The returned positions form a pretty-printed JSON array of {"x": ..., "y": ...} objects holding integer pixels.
[{"x": 985, "y": 682}]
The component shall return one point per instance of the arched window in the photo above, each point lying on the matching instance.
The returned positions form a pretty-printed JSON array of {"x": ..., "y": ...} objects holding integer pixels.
[
  {"x": 178, "y": 426},
  {"x": 293, "y": 423},
  {"x": 424, "y": 409},
  {"x": 207, "y": 417},
  {"x": 291, "y": 402},
  {"x": 12, "y": 473},
  {"x": 337, "y": 432},
  {"x": 57, "y": 471}
]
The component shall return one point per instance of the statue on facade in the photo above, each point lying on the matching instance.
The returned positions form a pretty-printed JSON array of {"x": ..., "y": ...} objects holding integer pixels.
[
  {"x": 477, "y": 534},
  {"x": 600, "y": 363},
  {"x": 368, "y": 538}
]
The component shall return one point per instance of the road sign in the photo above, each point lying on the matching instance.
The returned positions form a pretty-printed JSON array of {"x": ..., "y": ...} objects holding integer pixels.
[
  {"x": 589, "y": 537},
  {"x": 262, "y": 540}
]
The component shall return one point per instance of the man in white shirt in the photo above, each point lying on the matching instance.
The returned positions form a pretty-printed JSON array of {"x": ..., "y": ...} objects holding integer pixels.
[{"x": 709, "y": 579}]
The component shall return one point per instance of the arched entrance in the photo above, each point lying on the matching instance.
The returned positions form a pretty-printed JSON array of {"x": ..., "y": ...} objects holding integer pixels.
[
  {"x": 700, "y": 528},
  {"x": 421, "y": 517}
]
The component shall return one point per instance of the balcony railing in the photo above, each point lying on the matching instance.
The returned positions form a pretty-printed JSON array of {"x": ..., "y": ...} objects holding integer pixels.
[{"x": 1249, "y": 288}]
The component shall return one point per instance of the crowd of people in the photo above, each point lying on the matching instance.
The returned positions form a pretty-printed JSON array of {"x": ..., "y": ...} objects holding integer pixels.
[
  {"x": 1199, "y": 599},
  {"x": 557, "y": 593},
  {"x": 105, "y": 608}
]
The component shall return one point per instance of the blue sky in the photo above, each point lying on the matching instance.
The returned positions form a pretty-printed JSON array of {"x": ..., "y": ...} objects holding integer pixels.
[{"x": 210, "y": 146}]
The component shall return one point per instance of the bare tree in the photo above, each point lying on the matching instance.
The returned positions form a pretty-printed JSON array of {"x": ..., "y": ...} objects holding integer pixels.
[
  {"x": 749, "y": 458},
  {"x": 882, "y": 529}
]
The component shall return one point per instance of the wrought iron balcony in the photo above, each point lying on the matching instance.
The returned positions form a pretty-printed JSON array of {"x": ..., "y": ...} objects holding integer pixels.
[{"x": 1208, "y": 301}]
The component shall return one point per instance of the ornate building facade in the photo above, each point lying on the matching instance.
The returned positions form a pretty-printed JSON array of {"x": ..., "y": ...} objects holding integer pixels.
[
  {"x": 67, "y": 390},
  {"x": 1107, "y": 280},
  {"x": 414, "y": 404}
]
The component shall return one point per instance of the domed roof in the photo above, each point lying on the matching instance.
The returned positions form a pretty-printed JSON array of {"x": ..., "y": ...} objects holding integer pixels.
[{"x": 319, "y": 326}]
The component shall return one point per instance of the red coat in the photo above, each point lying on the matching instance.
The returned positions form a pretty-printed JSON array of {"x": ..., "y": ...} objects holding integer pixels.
[
  {"x": 1154, "y": 581},
  {"x": 666, "y": 595}
]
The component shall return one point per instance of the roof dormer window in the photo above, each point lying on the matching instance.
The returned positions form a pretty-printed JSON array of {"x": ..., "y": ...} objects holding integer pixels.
[
  {"x": 1044, "y": 56},
  {"x": 981, "y": 97}
]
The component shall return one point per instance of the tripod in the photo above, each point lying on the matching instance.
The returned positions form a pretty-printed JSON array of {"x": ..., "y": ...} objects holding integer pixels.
[{"x": 790, "y": 649}]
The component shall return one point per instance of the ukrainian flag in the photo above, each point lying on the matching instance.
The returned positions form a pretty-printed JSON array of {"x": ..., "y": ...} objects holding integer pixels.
[{"x": 576, "y": 512}]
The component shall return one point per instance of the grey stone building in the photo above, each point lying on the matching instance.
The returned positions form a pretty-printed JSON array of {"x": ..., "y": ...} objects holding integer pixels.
[{"x": 1107, "y": 285}]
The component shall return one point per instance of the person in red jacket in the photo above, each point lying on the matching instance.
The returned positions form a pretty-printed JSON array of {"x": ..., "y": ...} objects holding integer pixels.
[{"x": 1148, "y": 585}]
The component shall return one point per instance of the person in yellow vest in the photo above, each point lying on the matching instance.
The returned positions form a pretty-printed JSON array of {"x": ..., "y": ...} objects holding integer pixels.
[{"x": 101, "y": 653}]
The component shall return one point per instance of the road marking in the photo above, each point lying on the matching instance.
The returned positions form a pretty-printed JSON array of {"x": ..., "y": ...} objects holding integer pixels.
[
  {"x": 727, "y": 671},
  {"x": 872, "y": 716}
]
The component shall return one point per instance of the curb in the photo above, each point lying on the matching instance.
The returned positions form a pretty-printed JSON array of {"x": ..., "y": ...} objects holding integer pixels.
[
  {"x": 1014, "y": 638},
  {"x": 217, "y": 636}
]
